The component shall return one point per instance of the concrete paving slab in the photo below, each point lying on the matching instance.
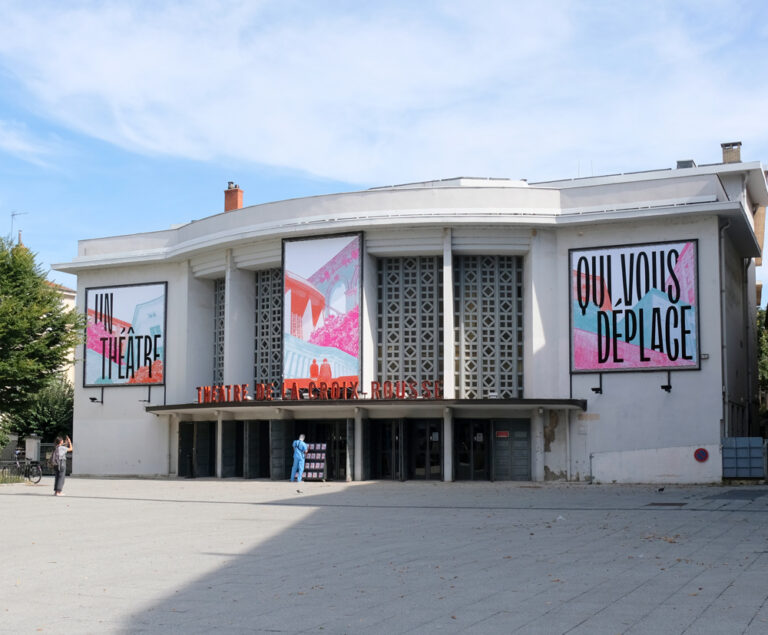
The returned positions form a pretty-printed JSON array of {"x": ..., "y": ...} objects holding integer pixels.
[{"x": 184, "y": 556}]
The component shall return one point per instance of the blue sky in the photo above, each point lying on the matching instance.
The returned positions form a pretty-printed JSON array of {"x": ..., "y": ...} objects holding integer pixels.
[{"x": 123, "y": 117}]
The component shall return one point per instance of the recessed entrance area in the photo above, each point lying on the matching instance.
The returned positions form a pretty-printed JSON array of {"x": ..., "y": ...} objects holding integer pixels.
[
  {"x": 334, "y": 434},
  {"x": 424, "y": 448},
  {"x": 197, "y": 449},
  {"x": 402, "y": 449},
  {"x": 407, "y": 448},
  {"x": 383, "y": 458},
  {"x": 245, "y": 449},
  {"x": 472, "y": 450},
  {"x": 256, "y": 449}
]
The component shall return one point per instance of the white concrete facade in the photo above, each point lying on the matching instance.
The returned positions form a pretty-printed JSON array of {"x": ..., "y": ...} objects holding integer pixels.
[{"x": 632, "y": 431}]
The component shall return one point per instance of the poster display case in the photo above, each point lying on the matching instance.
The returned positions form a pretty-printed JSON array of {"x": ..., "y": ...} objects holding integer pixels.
[{"x": 315, "y": 463}]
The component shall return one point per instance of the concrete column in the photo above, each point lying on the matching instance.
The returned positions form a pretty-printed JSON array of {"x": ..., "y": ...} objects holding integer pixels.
[
  {"x": 537, "y": 445},
  {"x": 239, "y": 315},
  {"x": 449, "y": 349},
  {"x": 447, "y": 445},
  {"x": 192, "y": 317},
  {"x": 358, "y": 471},
  {"x": 219, "y": 443},
  {"x": 173, "y": 445},
  {"x": 349, "y": 460},
  {"x": 246, "y": 462},
  {"x": 369, "y": 314}
]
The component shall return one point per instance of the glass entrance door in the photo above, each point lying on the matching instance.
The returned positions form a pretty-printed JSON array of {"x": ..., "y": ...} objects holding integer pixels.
[
  {"x": 424, "y": 448},
  {"x": 334, "y": 435},
  {"x": 471, "y": 450},
  {"x": 337, "y": 451},
  {"x": 257, "y": 448},
  {"x": 197, "y": 449},
  {"x": 385, "y": 450}
]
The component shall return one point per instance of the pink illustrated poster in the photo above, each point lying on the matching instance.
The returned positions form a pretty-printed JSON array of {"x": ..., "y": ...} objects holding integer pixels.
[
  {"x": 634, "y": 307},
  {"x": 321, "y": 321},
  {"x": 125, "y": 335}
]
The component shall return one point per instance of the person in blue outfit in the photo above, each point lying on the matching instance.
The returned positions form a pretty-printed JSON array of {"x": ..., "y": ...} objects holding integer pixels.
[{"x": 299, "y": 451}]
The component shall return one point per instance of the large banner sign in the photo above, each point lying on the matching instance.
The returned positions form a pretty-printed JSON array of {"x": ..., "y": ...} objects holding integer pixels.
[
  {"x": 125, "y": 335},
  {"x": 321, "y": 321},
  {"x": 634, "y": 307}
]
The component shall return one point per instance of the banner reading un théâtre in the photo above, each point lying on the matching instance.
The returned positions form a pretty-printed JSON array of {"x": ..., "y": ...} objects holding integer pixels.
[
  {"x": 634, "y": 307},
  {"x": 125, "y": 335}
]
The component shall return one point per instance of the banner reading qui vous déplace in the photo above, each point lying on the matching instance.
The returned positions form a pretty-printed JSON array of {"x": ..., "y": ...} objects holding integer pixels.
[
  {"x": 125, "y": 335},
  {"x": 634, "y": 307}
]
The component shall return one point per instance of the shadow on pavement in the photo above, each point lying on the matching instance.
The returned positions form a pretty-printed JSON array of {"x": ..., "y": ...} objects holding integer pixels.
[{"x": 422, "y": 557}]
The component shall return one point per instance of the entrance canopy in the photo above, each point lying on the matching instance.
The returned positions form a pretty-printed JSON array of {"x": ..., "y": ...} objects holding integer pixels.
[{"x": 368, "y": 408}]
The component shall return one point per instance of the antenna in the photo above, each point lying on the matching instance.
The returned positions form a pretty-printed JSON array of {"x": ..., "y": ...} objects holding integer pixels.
[{"x": 14, "y": 214}]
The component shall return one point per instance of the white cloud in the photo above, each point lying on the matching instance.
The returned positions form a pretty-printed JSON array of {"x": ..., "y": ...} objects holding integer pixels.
[
  {"x": 386, "y": 92},
  {"x": 17, "y": 141}
]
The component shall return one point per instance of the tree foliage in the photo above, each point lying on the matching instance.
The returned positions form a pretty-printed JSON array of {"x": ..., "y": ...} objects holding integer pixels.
[
  {"x": 37, "y": 331},
  {"x": 762, "y": 351},
  {"x": 48, "y": 415}
]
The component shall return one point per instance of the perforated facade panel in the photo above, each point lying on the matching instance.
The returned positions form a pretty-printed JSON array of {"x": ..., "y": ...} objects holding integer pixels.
[
  {"x": 410, "y": 319},
  {"x": 488, "y": 305},
  {"x": 218, "y": 331},
  {"x": 269, "y": 327}
]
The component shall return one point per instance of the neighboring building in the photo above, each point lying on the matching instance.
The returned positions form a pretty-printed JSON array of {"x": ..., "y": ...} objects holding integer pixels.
[
  {"x": 68, "y": 299},
  {"x": 468, "y": 328}
]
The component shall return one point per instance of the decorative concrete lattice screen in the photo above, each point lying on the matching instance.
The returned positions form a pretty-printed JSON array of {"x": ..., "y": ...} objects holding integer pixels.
[
  {"x": 410, "y": 319},
  {"x": 268, "y": 358},
  {"x": 218, "y": 331},
  {"x": 488, "y": 305}
]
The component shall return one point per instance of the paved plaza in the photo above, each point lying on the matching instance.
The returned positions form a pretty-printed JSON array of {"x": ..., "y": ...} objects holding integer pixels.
[{"x": 234, "y": 556}]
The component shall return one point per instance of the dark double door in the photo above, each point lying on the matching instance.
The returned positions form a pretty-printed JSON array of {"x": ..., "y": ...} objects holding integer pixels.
[
  {"x": 497, "y": 450},
  {"x": 244, "y": 449},
  {"x": 334, "y": 435},
  {"x": 472, "y": 450},
  {"x": 197, "y": 449},
  {"x": 405, "y": 449}
]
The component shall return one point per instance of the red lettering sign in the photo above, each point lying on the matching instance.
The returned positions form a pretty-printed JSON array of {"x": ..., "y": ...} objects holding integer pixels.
[{"x": 390, "y": 390}]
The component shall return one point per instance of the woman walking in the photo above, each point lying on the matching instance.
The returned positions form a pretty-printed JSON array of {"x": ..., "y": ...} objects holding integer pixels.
[{"x": 60, "y": 463}]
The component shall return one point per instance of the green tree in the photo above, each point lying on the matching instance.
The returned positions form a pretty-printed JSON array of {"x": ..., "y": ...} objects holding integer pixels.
[
  {"x": 37, "y": 331},
  {"x": 49, "y": 414},
  {"x": 762, "y": 352}
]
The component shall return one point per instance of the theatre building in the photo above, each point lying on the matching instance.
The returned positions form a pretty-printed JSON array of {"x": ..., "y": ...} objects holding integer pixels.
[{"x": 599, "y": 328}]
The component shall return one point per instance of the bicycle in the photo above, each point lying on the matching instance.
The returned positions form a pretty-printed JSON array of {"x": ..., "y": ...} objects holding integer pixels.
[{"x": 30, "y": 470}]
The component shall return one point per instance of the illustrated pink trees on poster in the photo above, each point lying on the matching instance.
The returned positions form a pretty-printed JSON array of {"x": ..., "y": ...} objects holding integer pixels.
[{"x": 321, "y": 330}]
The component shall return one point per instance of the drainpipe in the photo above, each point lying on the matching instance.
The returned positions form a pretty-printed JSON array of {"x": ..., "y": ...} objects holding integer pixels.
[
  {"x": 723, "y": 367},
  {"x": 749, "y": 338}
]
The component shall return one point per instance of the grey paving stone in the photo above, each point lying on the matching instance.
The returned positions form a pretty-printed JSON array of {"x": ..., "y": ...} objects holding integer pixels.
[{"x": 181, "y": 556}]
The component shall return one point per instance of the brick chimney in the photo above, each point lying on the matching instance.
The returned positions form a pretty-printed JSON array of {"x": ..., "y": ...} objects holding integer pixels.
[
  {"x": 731, "y": 152},
  {"x": 233, "y": 197}
]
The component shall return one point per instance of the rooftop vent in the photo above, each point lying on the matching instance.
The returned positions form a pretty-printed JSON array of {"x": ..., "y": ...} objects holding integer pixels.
[
  {"x": 686, "y": 163},
  {"x": 731, "y": 152}
]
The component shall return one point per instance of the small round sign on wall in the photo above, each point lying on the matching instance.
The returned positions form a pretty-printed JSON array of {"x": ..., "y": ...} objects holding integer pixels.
[{"x": 701, "y": 455}]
